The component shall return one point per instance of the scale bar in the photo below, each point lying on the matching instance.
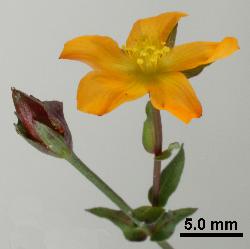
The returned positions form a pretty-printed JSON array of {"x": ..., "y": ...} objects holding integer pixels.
[{"x": 207, "y": 235}]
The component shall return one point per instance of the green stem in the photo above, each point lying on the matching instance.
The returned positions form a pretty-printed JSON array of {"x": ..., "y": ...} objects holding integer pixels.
[
  {"x": 100, "y": 184},
  {"x": 164, "y": 245},
  {"x": 105, "y": 189},
  {"x": 157, "y": 151}
]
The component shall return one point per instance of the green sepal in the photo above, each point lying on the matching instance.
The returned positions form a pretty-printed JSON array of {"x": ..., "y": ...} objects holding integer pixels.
[
  {"x": 170, "y": 42},
  {"x": 148, "y": 135},
  {"x": 172, "y": 37},
  {"x": 148, "y": 214},
  {"x": 166, "y": 225},
  {"x": 168, "y": 152},
  {"x": 53, "y": 140},
  {"x": 170, "y": 178},
  {"x": 194, "y": 71},
  {"x": 23, "y": 133},
  {"x": 130, "y": 230}
]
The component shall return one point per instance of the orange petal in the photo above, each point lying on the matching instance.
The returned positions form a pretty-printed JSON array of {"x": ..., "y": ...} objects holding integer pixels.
[
  {"x": 194, "y": 54},
  {"x": 100, "y": 52},
  {"x": 100, "y": 93},
  {"x": 156, "y": 28},
  {"x": 172, "y": 92}
]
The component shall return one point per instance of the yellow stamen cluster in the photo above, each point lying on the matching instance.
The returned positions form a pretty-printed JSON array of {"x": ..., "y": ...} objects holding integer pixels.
[{"x": 147, "y": 55}]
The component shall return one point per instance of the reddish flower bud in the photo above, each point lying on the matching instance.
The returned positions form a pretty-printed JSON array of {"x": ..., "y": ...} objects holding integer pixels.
[{"x": 29, "y": 110}]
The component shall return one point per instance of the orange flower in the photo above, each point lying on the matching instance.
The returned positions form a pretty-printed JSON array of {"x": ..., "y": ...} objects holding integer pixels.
[{"x": 146, "y": 64}]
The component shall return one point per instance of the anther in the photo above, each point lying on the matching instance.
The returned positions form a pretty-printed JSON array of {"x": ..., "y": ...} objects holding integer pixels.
[{"x": 140, "y": 61}]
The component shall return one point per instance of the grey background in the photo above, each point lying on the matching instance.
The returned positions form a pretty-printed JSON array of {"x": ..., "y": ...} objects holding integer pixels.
[{"x": 42, "y": 199}]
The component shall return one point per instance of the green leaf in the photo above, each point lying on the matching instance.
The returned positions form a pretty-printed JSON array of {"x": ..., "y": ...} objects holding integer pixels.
[
  {"x": 166, "y": 225},
  {"x": 195, "y": 71},
  {"x": 148, "y": 135},
  {"x": 135, "y": 234},
  {"x": 117, "y": 217},
  {"x": 53, "y": 140},
  {"x": 148, "y": 214},
  {"x": 170, "y": 178},
  {"x": 172, "y": 37},
  {"x": 168, "y": 152},
  {"x": 120, "y": 219}
]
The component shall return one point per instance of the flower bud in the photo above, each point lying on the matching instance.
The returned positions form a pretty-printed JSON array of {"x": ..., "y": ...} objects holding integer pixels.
[{"x": 31, "y": 111}]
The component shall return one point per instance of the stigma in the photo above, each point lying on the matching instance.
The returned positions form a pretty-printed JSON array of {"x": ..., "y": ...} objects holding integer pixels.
[{"x": 147, "y": 55}]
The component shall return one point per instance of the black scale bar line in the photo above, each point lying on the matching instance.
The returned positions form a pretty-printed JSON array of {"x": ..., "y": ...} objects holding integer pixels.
[{"x": 228, "y": 235}]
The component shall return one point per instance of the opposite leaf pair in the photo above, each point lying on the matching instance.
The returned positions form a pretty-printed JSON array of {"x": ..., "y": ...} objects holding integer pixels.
[{"x": 156, "y": 223}]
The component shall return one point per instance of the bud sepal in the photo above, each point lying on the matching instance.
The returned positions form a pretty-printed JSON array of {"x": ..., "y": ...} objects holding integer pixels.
[{"x": 30, "y": 111}]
